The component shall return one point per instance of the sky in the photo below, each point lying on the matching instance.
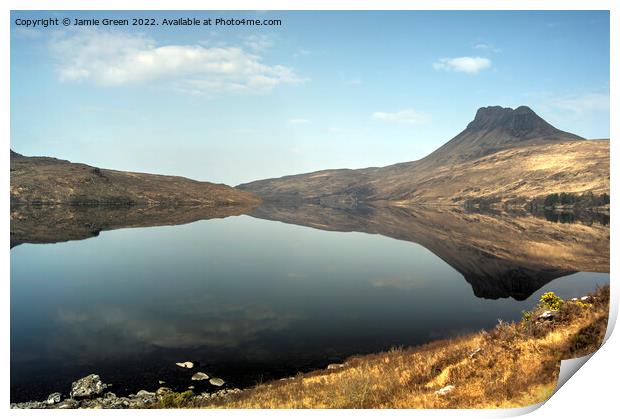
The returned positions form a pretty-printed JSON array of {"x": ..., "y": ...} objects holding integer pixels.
[{"x": 233, "y": 104}]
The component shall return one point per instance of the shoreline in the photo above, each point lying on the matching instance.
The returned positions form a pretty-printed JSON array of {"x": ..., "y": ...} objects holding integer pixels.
[{"x": 511, "y": 365}]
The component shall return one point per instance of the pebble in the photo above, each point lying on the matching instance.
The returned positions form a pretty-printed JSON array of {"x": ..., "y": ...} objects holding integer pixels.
[{"x": 186, "y": 364}]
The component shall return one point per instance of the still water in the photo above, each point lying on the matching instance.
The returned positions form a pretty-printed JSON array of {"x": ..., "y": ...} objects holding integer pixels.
[{"x": 247, "y": 299}]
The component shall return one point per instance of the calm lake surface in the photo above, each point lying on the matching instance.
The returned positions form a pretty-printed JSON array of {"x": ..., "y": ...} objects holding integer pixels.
[{"x": 247, "y": 299}]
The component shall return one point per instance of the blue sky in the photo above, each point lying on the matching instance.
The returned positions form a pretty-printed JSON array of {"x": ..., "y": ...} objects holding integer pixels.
[{"x": 323, "y": 90}]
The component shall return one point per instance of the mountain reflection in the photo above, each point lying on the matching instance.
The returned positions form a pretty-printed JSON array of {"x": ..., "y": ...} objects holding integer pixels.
[{"x": 500, "y": 255}]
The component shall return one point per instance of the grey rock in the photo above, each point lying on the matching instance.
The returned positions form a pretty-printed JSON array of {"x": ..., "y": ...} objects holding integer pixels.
[
  {"x": 199, "y": 376},
  {"x": 87, "y": 387},
  {"x": 163, "y": 390},
  {"x": 53, "y": 398},
  {"x": 334, "y": 366},
  {"x": 217, "y": 382},
  {"x": 144, "y": 393},
  {"x": 186, "y": 364},
  {"x": 548, "y": 315},
  {"x": 68, "y": 404},
  {"x": 445, "y": 390},
  {"x": 28, "y": 405}
]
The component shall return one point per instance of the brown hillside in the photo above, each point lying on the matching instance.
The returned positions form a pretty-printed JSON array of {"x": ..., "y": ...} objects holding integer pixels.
[
  {"x": 504, "y": 155},
  {"x": 45, "y": 180}
]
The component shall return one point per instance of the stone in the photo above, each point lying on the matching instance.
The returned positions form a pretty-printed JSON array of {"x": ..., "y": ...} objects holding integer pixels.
[
  {"x": 28, "y": 405},
  {"x": 162, "y": 391},
  {"x": 548, "y": 315},
  {"x": 68, "y": 404},
  {"x": 186, "y": 364},
  {"x": 199, "y": 376},
  {"x": 445, "y": 390},
  {"x": 53, "y": 398},
  {"x": 161, "y": 382},
  {"x": 191, "y": 387},
  {"x": 87, "y": 387},
  {"x": 217, "y": 382},
  {"x": 144, "y": 393},
  {"x": 585, "y": 298},
  {"x": 334, "y": 366}
]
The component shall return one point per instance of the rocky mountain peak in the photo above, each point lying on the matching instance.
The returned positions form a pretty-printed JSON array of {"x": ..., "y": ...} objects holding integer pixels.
[{"x": 521, "y": 122}]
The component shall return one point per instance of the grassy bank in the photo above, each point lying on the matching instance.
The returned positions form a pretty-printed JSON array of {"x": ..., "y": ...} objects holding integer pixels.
[{"x": 512, "y": 365}]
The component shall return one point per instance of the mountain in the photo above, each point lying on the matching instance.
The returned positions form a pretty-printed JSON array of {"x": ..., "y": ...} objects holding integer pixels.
[
  {"x": 504, "y": 155},
  {"x": 495, "y": 128},
  {"x": 46, "y": 180}
]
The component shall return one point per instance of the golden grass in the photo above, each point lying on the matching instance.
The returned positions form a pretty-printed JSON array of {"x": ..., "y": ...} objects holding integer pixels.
[{"x": 512, "y": 365}]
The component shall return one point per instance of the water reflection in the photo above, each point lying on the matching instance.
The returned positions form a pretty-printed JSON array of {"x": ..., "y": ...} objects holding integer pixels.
[
  {"x": 250, "y": 299},
  {"x": 500, "y": 255}
]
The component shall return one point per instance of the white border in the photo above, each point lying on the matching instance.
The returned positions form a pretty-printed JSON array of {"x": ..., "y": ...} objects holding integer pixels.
[{"x": 592, "y": 392}]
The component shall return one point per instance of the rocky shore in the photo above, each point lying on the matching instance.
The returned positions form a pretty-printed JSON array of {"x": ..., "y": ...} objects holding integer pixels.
[
  {"x": 511, "y": 365},
  {"x": 90, "y": 392}
]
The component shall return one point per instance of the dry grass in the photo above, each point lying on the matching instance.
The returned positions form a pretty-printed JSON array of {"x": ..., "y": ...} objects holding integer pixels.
[{"x": 514, "y": 364}]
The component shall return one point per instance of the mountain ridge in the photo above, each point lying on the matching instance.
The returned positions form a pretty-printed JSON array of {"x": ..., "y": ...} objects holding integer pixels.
[{"x": 497, "y": 136}]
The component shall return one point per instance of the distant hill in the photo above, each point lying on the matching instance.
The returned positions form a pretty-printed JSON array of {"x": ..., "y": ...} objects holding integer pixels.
[
  {"x": 46, "y": 180},
  {"x": 504, "y": 156}
]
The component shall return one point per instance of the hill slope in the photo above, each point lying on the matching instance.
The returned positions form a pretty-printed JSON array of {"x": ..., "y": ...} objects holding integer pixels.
[
  {"x": 503, "y": 155},
  {"x": 45, "y": 180}
]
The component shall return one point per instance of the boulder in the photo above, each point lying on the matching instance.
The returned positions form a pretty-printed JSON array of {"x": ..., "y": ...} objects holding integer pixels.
[
  {"x": 445, "y": 390},
  {"x": 53, "y": 398},
  {"x": 218, "y": 382},
  {"x": 162, "y": 391},
  {"x": 144, "y": 393},
  {"x": 186, "y": 364},
  {"x": 68, "y": 404},
  {"x": 548, "y": 315},
  {"x": 334, "y": 366},
  {"x": 199, "y": 376},
  {"x": 87, "y": 387}
]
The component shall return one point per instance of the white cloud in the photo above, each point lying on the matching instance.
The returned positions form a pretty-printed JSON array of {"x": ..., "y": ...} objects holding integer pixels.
[
  {"x": 259, "y": 42},
  {"x": 469, "y": 65},
  {"x": 298, "y": 121},
  {"x": 28, "y": 33},
  {"x": 407, "y": 116},
  {"x": 487, "y": 47},
  {"x": 301, "y": 52},
  {"x": 586, "y": 102},
  {"x": 354, "y": 81},
  {"x": 113, "y": 59}
]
